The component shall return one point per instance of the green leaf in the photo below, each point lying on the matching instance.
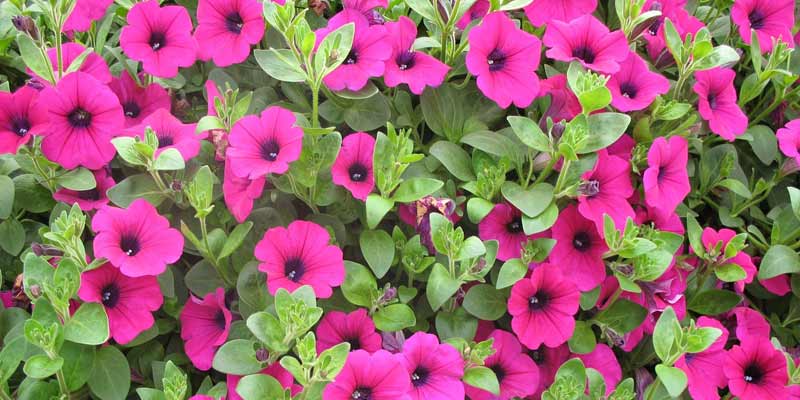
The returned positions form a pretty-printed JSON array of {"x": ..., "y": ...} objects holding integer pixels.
[
  {"x": 456, "y": 324},
  {"x": 111, "y": 375},
  {"x": 378, "y": 249},
  {"x": 583, "y": 340},
  {"x": 713, "y": 302},
  {"x": 673, "y": 379},
  {"x": 511, "y": 272},
  {"x": 485, "y": 302},
  {"x": 12, "y": 236},
  {"x": 41, "y": 366},
  {"x": 33, "y": 57},
  {"x": 126, "y": 148},
  {"x": 259, "y": 387},
  {"x": 377, "y": 207},
  {"x": 454, "y": 158},
  {"x": 700, "y": 339},
  {"x": 210, "y": 122},
  {"x": 541, "y": 222},
  {"x": 764, "y": 143},
  {"x": 441, "y": 286},
  {"x": 453, "y": 112},
  {"x": 693, "y": 233},
  {"x": 77, "y": 179},
  {"x": 368, "y": 114},
  {"x": 333, "y": 50},
  {"x": 736, "y": 186},
  {"x": 495, "y": 144},
  {"x": 133, "y": 187},
  {"x": 416, "y": 188},
  {"x": 482, "y": 378},
  {"x": 623, "y": 316},
  {"x": 237, "y": 357},
  {"x": 730, "y": 273},
  {"x": 78, "y": 363},
  {"x": 280, "y": 64},
  {"x": 529, "y": 133},
  {"x": 478, "y": 208},
  {"x": 6, "y": 196},
  {"x": 358, "y": 285},
  {"x": 202, "y": 278},
  {"x": 778, "y": 260},
  {"x": 604, "y": 129},
  {"x": 794, "y": 197},
  {"x": 235, "y": 239},
  {"x": 36, "y": 272},
  {"x": 169, "y": 160},
  {"x": 532, "y": 201},
  {"x": 721, "y": 56},
  {"x": 666, "y": 332},
  {"x": 394, "y": 317},
  {"x": 89, "y": 325}
]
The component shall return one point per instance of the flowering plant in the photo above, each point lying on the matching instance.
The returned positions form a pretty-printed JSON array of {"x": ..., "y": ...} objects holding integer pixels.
[{"x": 405, "y": 199}]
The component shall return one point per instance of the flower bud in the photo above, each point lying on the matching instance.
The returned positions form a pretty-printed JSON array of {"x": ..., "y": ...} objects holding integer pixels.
[
  {"x": 26, "y": 25},
  {"x": 262, "y": 354}
]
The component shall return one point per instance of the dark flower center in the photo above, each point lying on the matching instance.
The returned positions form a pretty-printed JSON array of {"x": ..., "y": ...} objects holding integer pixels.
[
  {"x": 157, "y": 40},
  {"x": 361, "y": 393},
  {"x": 653, "y": 29},
  {"x": 757, "y": 19},
  {"x": 515, "y": 226},
  {"x": 79, "y": 118},
  {"x": 352, "y": 57},
  {"x": 419, "y": 376},
  {"x": 91, "y": 194},
  {"x": 499, "y": 371},
  {"x": 538, "y": 301},
  {"x": 131, "y": 109},
  {"x": 753, "y": 373},
  {"x": 584, "y": 53},
  {"x": 234, "y": 23},
  {"x": 590, "y": 188},
  {"x": 129, "y": 244},
  {"x": 405, "y": 60},
  {"x": 358, "y": 172},
  {"x": 20, "y": 126},
  {"x": 270, "y": 150},
  {"x": 355, "y": 343},
  {"x": 581, "y": 241},
  {"x": 537, "y": 356},
  {"x": 219, "y": 320},
  {"x": 294, "y": 269},
  {"x": 165, "y": 140},
  {"x": 712, "y": 100},
  {"x": 496, "y": 60},
  {"x": 110, "y": 295},
  {"x": 628, "y": 90}
]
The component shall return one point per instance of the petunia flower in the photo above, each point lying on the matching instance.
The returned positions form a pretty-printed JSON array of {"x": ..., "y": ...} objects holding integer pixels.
[
  {"x": 300, "y": 255},
  {"x": 93, "y": 64},
  {"x": 353, "y": 166},
  {"x": 605, "y": 191},
  {"x": 365, "y": 376},
  {"x": 21, "y": 117},
  {"x": 504, "y": 224},
  {"x": 579, "y": 249},
  {"x": 84, "y": 115},
  {"x": 505, "y": 59},
  {"x": 138, "y": 102},
  {"x": 265, "y": 144},
  {"x": 789, "y": 139},
  {"x": 204, "y": 327},
  {"x": 541, "y": 12},
  {"x": 137, "y": 240},
  {"x": 84, "y": 13},
  {"x": 417, "y": 214},
  {"x": 517, "y": 374},
  {"x": 227, "y": 28},
  {"x": 275, "y": 370},
  {"x": 712, "y": 238},
  {"x": 129, "y": 301},
  {"x": 476, "y": 11},
  {"x": 603, "y": 360},
  {"x": 548, "y": 359},
  {"x": 703, "y": 369},
  {"x": 564, "y": 105},
  {"x": 355, "y": 328},
  {"x": 364, "y": 5},
  {"x": 171, "y": 133},
  {"x": 585, "y": 39},
  {"x": 91, "y": 199},
  {"x": 634, "y": 86},
  {"x": 543, "y": 307},
  {"x": 750, "y": 325},
  {"x": 405, "y": 65},
  {"x": 435, "y": 369},
  {"x": 240, "y": 193},
  {"x": 684, "y": 23},
  {"x": 159, "y": 37},
  {"x": 666, "y": 180},
  {"x": 717, "y": 102},
  {"x": 771, "y": 19},
  {"x": 367, "y": 56},
  {"x": 756, "y": 370}
]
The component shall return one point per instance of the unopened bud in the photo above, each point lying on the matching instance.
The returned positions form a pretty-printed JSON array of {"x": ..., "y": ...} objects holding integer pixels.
[
  {"x": 790, "y": 166},
  {"x": 262, "y": 355},
  {"x": 540, "y": 161},
  {"x": 26, "y": 25},
  {"x": 388, "y": 295},
  {"x": 45, "y": 250}
]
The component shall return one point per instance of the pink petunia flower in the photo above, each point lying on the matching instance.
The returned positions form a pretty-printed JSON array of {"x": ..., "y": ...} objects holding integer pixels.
[
  {"x": 579, "y": 249},
  {"x": 756, "y": 370},
  {"x": 414, "y": 68},
  {"x": 129, "y": 302},
  {"x": 275, "y": 370},
  {"x": 93, "y": 64},
  {"x": 418, "y": 213},
  {"x": 20, "y": 118},
  {"x": 750, "y": 325},
  {"x": 543, "y": 307},
  {"x": 171, "y": 133},
  {"x": 703, "y": 369},
  {"x": 634, "y": 86},
  {"x": 684, "y": 23},
  {"x": 586, "y": 40},
  {"x": 564, "y": 105},
  {"x": 264, "y": 145},
  {"x": 376, "y": 376},
  {"x": 367, "y": 56},
  {"x": 505, "y": 59},
  {"x": 92, "y": 199},
  {"x": 435, "y": 369},
  {"x": 605, "y": 190},
  {"x": 666, "y": 180},
  {"x": 772, "y": 20},
  {"x": 712, "y": 238},
  {"x": 159, "y": 37},
  {"x": 477, "y": 11},
  {"x": 602, "y": 359},
  {"x": 300, "y": 255},
  {"x": 717, "y": 102},
  {"x": 84, "y": 115},
  {"x": 364, "y": 5},
  {"x": 204, "y": 327},
  {"x": 517, "y": 373},
  {"x": 548, "y": 359},
  {"x": 789, "y": 139},
  {"x": 541, "y": 12},
  {"x": 84, "y": 13},
  {"x": 137, "y": 240},
  {"x": 353, "y": 166},
  {"x": 504, "y": 224},
  {"x": 227, "y": 28},
  {"x": 138, "y": 102},
  {"x": 240, "y": 193},
  {"x": 355, "y": 328}
]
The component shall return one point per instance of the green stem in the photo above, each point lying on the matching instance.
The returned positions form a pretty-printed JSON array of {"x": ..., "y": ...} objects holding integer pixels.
[
  {"x": 62, "y": 383},
  {"x": 562, "y": 176},
  {"x": 315, "y": 106},
  {"x": 653, "y": 385},
  {"x": 547, "y": 170}
]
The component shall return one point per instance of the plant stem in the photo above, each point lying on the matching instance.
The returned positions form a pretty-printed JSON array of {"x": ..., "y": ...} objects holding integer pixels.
[
  {"x": 62, "y": 383},
  {"x": 4, "y": 395},
  {"x": 315, "y": 105}
]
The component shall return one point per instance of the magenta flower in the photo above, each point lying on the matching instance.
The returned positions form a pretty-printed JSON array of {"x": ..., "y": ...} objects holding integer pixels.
[
  {"x": 711, "y": 239},
  {"x": 240, "y": 193},
  {"x": 772, "y": 20},
  {"x": 364, "y": 5},
  {"x": 300, "y": 255},
  {"x": 789, "y": 139},
  {"x": 750, "y": 325},
  {"x": 477, "y": 11},
  {"x": 543, "y": 307},
  {"x": 353, "y": 166},
  {"x": 93, "y": 64},
  {"x": 20, "y": 118},
  {"x": 129, "y": 301},
  {"x": 84, "y": 13},
  {"x": 586, "y": 40},
  {"x": 275, "y": 370},
  {"x": 564, "y": 105},
  {"x": 579, "y": 249},
  {"x": 717, "y": 102},
  {"x": 756, "y": 370},
  {"x": 137, "y": 240},
  {"x": 505, "y": 59},
  {"x": 504, "y": 224},
  {"x": 703, "y": 369},
  {"x": 376, "y": 376},
  {"x": 435, "y": 369},
  {"x": 92, "y": 199},
  {"x": 548, "y": 360},
  {"x": 159, "y": 37},
  {"x": 666, "y": 180},
  {"x": 605, "y": 190},
  {"x": 684, "y": 22},
  {"x": 634, "y": 86},
  {"x": 355, "y": 328},
  {"x": 227, "y": 28},
  {"x": 264, "y": 145},
  {"x": 417, "y": 214},
  {"x": 171, "y": 133},
  {"x": 541, "y": 12},
  {"x": 405, "y": 65},
  {"x": 204, "y": 327},
  {"x": 84, "y": 115},
  {"x": 517, "y": 373},
  {"x": 138, "y": 102},
  {"x": 602, "y": 359},
  {"x": 367, "y": 56}
]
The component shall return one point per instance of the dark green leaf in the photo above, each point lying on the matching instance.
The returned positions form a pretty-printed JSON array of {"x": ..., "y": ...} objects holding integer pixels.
[{"x": 111, "y": 375}]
